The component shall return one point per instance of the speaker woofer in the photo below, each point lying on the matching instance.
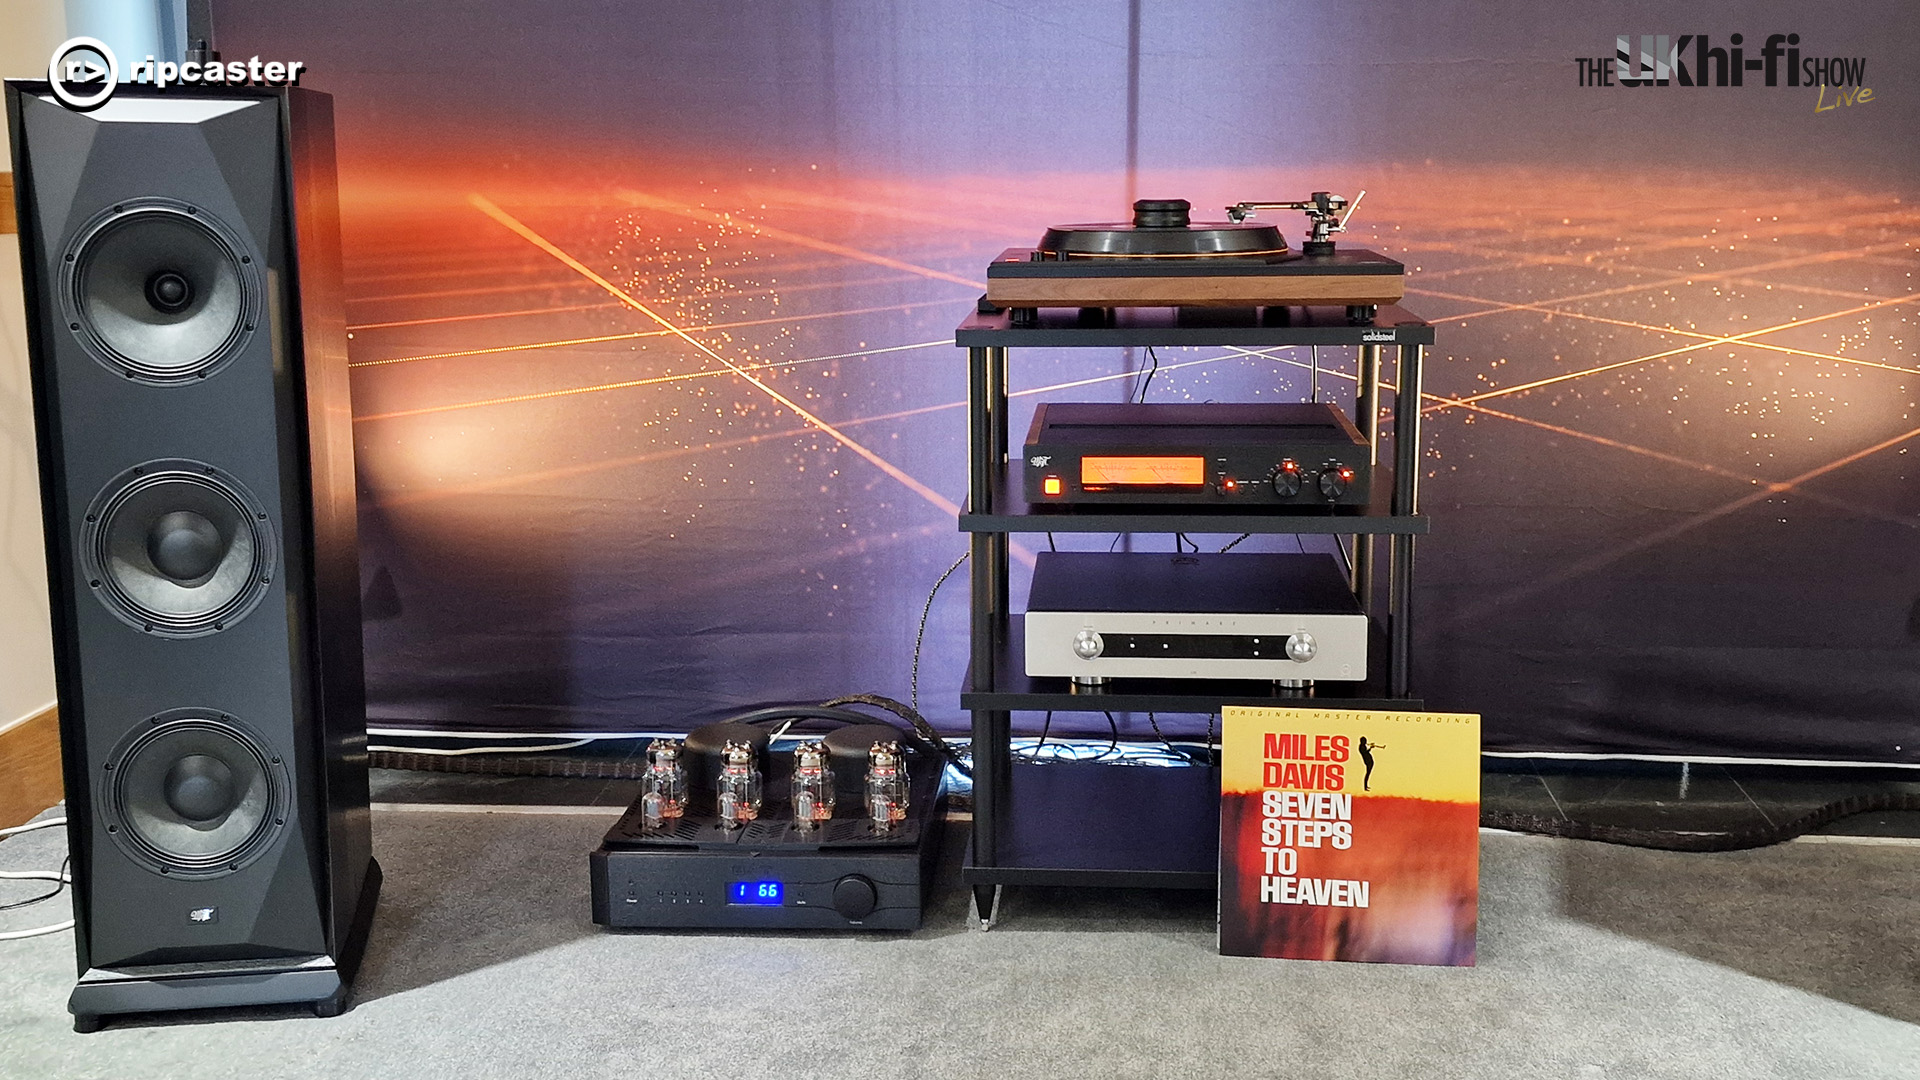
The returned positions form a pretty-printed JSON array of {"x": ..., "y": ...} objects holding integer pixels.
[
  {"x": 177, "y": 548},
  {"x": 192, "y": 793},
  {"x": 160, "y": 291}
]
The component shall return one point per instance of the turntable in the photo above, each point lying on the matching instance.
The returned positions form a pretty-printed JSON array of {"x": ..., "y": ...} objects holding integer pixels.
[{"x": 1162, "y": 258}]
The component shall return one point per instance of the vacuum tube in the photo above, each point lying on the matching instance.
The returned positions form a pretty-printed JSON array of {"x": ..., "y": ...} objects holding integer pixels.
[
  {"x": 739, "y": 784},
  {"x": 663, "y": 788},
  {"x": 812, "y": 785},
  {"x": 886, "y": 786}
]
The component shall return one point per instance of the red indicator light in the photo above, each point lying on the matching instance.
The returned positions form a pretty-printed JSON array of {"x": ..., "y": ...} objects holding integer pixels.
[
  {"x": 1231, "y": 484},
  {"x": 1050, "y": 485},
  {"x": 1346, "y": 474}
]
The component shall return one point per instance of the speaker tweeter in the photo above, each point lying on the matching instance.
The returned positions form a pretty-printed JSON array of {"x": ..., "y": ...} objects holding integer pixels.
[{"x": 160, "y": 291}]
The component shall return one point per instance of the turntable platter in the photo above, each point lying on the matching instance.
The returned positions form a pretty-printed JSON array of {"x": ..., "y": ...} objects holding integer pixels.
[{"x": 1163, "y": 229}]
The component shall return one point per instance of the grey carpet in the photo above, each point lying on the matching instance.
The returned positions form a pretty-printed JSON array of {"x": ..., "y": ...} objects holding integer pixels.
[{"x": 1795, "y": 961}]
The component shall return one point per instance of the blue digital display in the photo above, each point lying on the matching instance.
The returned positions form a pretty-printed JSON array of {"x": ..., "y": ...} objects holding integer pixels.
[{"x": 768, "y": 893}]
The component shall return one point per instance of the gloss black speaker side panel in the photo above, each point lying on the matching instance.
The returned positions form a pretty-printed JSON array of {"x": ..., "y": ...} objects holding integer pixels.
[{"x": 327, "y": 423}]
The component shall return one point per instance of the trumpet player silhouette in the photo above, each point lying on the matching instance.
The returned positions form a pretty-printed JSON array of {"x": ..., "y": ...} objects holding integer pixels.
[{"x": 1366, "y": 755}]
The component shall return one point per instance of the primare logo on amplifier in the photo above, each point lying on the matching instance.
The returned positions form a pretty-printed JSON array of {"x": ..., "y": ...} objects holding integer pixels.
[{"x": 204, "y": 915}]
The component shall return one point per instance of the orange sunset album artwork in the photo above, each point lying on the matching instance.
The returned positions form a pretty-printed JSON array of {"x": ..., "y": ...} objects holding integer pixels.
[{"x": 1350, "y": 835}]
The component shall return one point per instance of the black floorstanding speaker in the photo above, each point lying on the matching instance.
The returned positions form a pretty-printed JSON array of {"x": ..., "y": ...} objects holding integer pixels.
[{"x": 187, "y": 339}]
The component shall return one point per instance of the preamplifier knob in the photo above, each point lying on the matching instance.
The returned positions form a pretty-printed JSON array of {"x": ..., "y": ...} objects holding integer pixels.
[
  {"x": 1286, "y": 479},
  {"x": 854, "y": 897},
  {"x": 1335, "y": 479},
  {"x": 1087, "y": 645},
  {"x": 1301, "y": 647}
]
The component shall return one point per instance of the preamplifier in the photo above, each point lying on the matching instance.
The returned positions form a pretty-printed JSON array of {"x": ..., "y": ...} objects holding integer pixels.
[{"x": 1095, "y": 615}]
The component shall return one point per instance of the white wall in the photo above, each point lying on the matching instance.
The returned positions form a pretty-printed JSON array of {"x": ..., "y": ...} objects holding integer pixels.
[{"x": 34, "y": 27}]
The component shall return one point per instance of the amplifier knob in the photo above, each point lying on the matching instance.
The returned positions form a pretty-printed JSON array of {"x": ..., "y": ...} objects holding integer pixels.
[
  {"x": 1087, "y": 645},
  {"x": 1286, "y": 479},
  {"x": 854, "y": 897},
  {"x": 1335, "y": 478},
  {"x": 1301, "y": 647}
]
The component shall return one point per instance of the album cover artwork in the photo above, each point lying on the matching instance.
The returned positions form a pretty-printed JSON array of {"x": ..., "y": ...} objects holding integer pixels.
[{"x": 1350, "y": 835}]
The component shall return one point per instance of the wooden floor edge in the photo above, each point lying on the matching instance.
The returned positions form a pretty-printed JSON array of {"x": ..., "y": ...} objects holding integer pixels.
[{"x": 29, "y": 767}]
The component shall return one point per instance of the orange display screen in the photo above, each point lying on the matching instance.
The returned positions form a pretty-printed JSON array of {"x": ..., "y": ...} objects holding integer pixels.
[{"x": 1098, "y": 472}]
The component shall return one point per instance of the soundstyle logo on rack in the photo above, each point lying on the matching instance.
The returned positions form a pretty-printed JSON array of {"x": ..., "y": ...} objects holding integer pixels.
[
  {"x": 1700, "y": 60},
  {"x": 83, "y": 73}
]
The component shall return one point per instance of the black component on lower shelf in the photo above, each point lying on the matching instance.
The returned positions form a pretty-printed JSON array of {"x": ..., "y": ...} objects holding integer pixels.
[{"x": 1117, "y": 826}]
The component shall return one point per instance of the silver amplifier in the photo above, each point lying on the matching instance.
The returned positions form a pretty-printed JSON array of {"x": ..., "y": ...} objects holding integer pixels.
[{"x": 1092, "y": 616}]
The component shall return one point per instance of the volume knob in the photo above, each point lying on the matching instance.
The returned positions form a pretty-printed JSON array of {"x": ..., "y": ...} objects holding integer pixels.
[
  {"x": 1301, "y": 647},
  {"x": 854, "y": 897},
  {"x": 1087, "y": 645},
  {"x": 1335, "y": 478},
  {"x": 1286, "y": 479}
]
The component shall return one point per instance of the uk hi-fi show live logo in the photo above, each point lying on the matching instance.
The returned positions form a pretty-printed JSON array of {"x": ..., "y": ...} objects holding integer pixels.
[
  {"x": 1702, "y": 60},
  {"x": 83, "y": 72}
]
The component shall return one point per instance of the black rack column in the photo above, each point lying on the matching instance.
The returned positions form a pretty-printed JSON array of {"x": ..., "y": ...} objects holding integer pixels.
[
  {"x": 1406, "y": 500},
  {"x": 992, "y": 729},
  {"x": 1366, "y": 415}
]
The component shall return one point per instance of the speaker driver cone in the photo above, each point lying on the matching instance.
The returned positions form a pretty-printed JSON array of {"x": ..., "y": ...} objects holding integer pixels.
[
  {"x": 177, "y": 548},
  {"x": 194, "y": 794},
  {"x": 160, "y": 291}
]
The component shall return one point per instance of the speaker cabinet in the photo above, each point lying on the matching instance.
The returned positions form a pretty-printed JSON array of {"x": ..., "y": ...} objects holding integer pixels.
[{"x": 188, "y": 349}]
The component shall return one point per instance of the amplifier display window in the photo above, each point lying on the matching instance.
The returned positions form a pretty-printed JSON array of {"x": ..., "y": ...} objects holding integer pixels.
[{"x": 1102, "y": 472}]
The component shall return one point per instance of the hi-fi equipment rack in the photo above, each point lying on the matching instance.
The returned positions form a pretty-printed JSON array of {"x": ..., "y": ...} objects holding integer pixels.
[{"x": 1093, "y": 824}]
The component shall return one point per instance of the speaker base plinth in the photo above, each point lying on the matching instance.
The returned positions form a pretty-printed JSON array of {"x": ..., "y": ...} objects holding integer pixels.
[{"x": 321, "y": 982}]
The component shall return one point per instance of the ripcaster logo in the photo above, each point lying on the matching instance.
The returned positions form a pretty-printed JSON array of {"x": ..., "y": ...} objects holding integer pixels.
[{"x": 73, "y": 64}]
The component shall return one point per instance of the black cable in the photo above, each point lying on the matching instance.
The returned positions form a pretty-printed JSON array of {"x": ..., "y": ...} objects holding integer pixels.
[
  {"x": 1113, "y": 744},
  {"x": 1050, "y": 546},
  {"x": 1151, "y": 372},
  {"x": 59, "y": 886},
  {"x": 1234, "y": 543},
  {"x": 920, "y": 636},
  {"x": 922, "y": 730},
  {"x": 1162, "y": 736},
  {"x": 1045, "y": 726},
  {"x": 1693, "y": 840}
]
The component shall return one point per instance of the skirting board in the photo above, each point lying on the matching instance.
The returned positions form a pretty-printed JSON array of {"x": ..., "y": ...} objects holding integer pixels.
[{"x": 29, "y": 767}]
